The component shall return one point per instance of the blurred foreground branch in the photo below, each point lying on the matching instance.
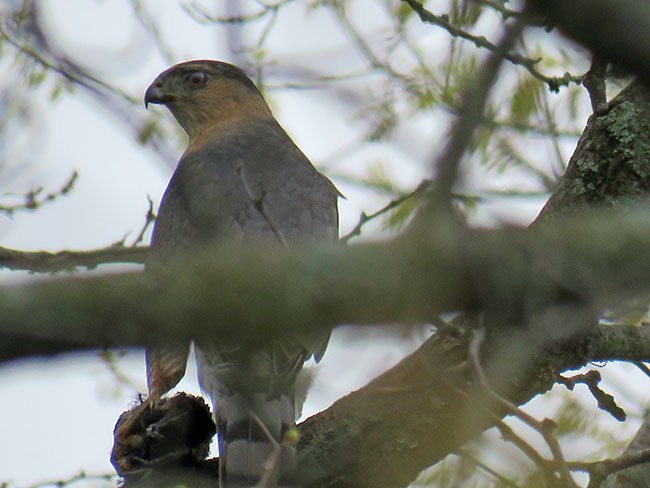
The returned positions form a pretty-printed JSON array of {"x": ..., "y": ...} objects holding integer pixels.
[{"x": 589, "y": 261}]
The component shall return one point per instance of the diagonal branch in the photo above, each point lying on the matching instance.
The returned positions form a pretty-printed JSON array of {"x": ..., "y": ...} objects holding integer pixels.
[
  {"x": 418, "y": 426},
  {"x": 554, "y": 83},
  {"x": 471, "y": 114}
]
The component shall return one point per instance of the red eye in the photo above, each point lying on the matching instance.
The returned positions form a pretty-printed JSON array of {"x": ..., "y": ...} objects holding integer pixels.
[{"x": 197, "y": 78}]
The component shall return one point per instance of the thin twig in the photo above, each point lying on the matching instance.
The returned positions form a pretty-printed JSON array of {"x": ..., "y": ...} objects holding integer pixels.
[
  {"x": 558, "y": 167},
  {"x": 107, "y": 357},
  {"x": 492, "y": 472},
  {"x": 545, "y": 427},
  {"x": 599, "y": 470},
  {"x": 471, "y": 115},
  {"x": 273, "y": 460},
  {"x": 81, "y": 476},
  {"x": 506, "y": 432},
  {"x": 149, "y": 219},
  {"x": 642, "y": 366},
  {"x": 202, "y": 17},
  {"x": 104, "y": 92},
  {"x": 152, "y": 28},
  {"x": 554, "y": 82},
  {"x": 605, "y": 401},
  {"x": 364, "y": 218},
  {"x": 33, "y": 200},
  {"x": 499, "y": 7},
  {"x": 64, "y": 69},
  {"x": 364, "y": 47}
]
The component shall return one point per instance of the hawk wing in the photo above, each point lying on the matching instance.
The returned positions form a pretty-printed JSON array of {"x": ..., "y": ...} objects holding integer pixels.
[{"x": 249, "y": 186}]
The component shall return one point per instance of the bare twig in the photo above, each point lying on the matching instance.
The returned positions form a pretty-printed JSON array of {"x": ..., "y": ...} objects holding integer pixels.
[
  {"x": 363, "y": 46},
  {"x": 152, "y": 28},
  {"x": 149, "y": 219},
  {"x": 531, "y": 453},
  {"x": 532, "y": 129},
  {"x": 364, "y": 218},
  {"x": 65, "y": 69},
  {"x": 115, "y": 99},
  {"x": 560, "y": 163},
  {"x": 642, "y": 367},
  {"x": 33, "y": 198},
  {"x": 107, "y": 357},
  {"x": 554, "y": 82},
  {"x": 81, "y": 476},
  {"x": 273, "y": 460},
  {"x": 492, "y": 472},
  {"x": 48, "y": 262},
  {"x": 545, "y": 427},
  {"x": 605, "y": 401},
  {"x": 599, "y": 470},
  {"x": 499, "y": 7},
  {"x": 201, "y": 16},
  {"x": 471, "y": 115}
]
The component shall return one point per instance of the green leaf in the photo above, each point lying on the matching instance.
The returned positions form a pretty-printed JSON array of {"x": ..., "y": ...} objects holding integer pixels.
[
  {"x": 403, "y": 12},
  {"x": 465, "y": 13},
  {"x": 56, "y": 92},
  {"x": 378, "y": 178},
  {"x": 525, "y": 100},
  {"x": 147, "y": 131},
  {"x": 398, "y": 217}
]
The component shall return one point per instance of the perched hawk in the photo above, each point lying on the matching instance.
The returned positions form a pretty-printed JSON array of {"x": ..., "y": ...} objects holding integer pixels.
[{"x": 241, "y": 181}]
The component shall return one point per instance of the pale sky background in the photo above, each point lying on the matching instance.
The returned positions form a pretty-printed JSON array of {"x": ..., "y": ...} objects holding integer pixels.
[{"x": 57, "y": 415}]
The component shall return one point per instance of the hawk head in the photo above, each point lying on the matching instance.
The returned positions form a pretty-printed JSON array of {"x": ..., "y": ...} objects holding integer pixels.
[{"x": 203, "y": 92}]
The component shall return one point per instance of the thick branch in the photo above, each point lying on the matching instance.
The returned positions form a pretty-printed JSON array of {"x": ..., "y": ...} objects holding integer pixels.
[
  {"x": 594, "y": 258},
  {"x": 632, "y": 467},
  {"x": 610, "y": 167},
  {"x": 425, "y": 407}
]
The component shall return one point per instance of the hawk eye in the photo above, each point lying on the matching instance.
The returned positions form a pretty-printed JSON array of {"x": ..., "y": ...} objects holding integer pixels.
[{"x": 197, "y": 79}]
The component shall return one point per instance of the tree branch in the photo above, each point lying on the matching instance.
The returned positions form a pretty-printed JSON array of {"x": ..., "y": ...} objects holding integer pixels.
[
  {"x": 35, "y": 198},
  {"x": 609, "y": 168},
  {"x": 47, "y": 262},
  {"x": 425, "y": 407},
  {"x": 595, "y": 259},
  {"x": 554, "y": 83}
]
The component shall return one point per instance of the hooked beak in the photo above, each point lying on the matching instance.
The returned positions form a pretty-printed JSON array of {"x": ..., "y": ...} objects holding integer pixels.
[{"x": 156, "y": 94}]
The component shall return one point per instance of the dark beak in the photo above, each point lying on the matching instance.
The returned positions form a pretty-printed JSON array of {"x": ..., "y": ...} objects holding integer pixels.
[{"x": 156, "y": 94}]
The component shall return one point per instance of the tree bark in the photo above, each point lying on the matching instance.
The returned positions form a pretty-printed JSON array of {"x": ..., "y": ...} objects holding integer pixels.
[{"x": 610, "y": 168}]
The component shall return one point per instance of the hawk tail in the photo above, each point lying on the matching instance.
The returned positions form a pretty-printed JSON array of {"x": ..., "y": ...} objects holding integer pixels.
[{"x": 253, "y": 448}]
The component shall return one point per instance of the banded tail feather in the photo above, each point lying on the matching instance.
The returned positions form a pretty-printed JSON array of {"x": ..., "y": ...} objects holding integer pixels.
[
  {"x": 253, "y": 397},
  {"x": 251, "y": 430}
]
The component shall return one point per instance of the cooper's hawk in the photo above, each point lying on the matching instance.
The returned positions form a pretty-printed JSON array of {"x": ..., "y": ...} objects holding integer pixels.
[{"x": 241, "y": 181}]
